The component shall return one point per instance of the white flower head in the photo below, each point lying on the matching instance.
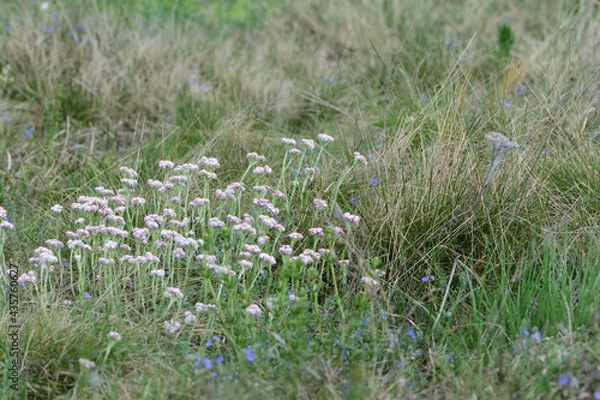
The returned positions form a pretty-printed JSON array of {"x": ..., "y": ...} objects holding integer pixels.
[{"x": 254, "y": 310}]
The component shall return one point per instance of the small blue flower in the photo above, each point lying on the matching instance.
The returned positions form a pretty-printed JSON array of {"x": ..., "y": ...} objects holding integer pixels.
[
  {"x": 345, "y": 390},
  {"x": 29, "y": 132},
  {"x": 522, "y": 90},
  {"x": 354, "y": 202},
  {"x": 345, "y": 352},
  {"x": 563, "y": 380},
  {"x": 6, "y": 118},
  {"x": 9, "y": 219},
  {"x": 448, "y": 314},
  {"x": 384, "y": 316},
  {"x": 364, "y": 321},
  {"x": 218, "y": 359},
  {"x": 597, "y": 394},
  {"x": 524, "y": 331},
  {"x": 214, "y": 374},
  {"x": 374, "y": 181},
  {"x": 204, "y": 362},
  {"x": 250, "y": 356},
  {"x": 398, "y": 364},
  {"x": 9, "y": 27},
  {"x": 87, "y": 295},
  {"x": 428, "y": 278},
  {"x": 506, "y": 103},
  {"x": 451, "y": 44},
  {"x": 209, "y": 343},
  {"x": 536, "y": 337},
  {"x": 412, "y": 334}
]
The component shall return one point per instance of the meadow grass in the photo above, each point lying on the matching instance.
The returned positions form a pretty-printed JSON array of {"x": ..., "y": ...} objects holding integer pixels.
[{"x": 302, "y": 199}]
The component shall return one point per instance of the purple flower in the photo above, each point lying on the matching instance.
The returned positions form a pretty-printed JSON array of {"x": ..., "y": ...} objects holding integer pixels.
[
  {"x": 384, "y": 316},
  {"x": 250, "y": 356},
  {"x": 597, "y": 394},
  {"x": 506, "y": 103},
  {"x": 87, "y": 295},
  {"x": 29, "y": 132},
  {"x": 412, "y": 334},
  {"x": 354, "y": 202},
  {"x": 218, "y": 359},
  {"x": 428, "y": 278},
  {"x": 522, "y": 90},
  {"x": 374, "y": 181},
  {"x": 563, "y": 380},
  {"x": 204, "y": 362},
  {"x": 6, "y": 118}
]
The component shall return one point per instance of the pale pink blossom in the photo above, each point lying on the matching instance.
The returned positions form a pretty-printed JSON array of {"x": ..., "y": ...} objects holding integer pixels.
[
  {"x": 295, "y": 236},
  {"x": 216, "y": 223},
  {"x": 269, "y": 259},
  {"x": 157, "y": 272},
  {"x": 166, "y": 164},
  {"x": 309, "y": 143},
  {"x": 360, "y": 158},
  {"x": 207, "y": 174},
  {"x": 57, "y": 208},
  {"x": 199, "y": 201},
  {"x": 172, "y": 326},
  {"x": 113, "y": 335},
  {"x": 138, "y": 201},
  {"x": 266, "y": 204},
  {"x": 255, "y": 156},
  {"x": 129, "y": 182},
  {"x": 117, "y": 219},
  {"x": 278, "y": 193},
  {"x": 87, "y": 364},
  {"x": 352, "y": 218},
  {"x": 234, "y": 219},
  {"x": 289, "y": 142},
  {"x": 55, "y": 243},
  {"x": 189, "y": 318},
  {"x": 221, "y": 269},
  {"x": 204, "y": 308},
  {"x": 245, "y": 264},
  {"x": 295, "y": 151},
  {"x": 252, "y": 248},
  {"x": 316, "y": 231},
  {"x": 253, "y": 310},
  {"x": 286, "y": 249},
  {"x": 262, "y": 240},
  {"x": 325, "y": 138},
  {"x": 178, "y": 253},
  {"x": 244, "y": 227},
  {"x": 27, "y": 277},
  {"x": 209, "y": 162},
  {"x": 261, "y": 188},
  {"x": 129, "y": 172},
  {"x": 237, "y": 186},
  {"x": 181, "y": 179},
  {"x": 320, "y": 204},
  {"x": 370, "y": 282},
  {"x": 154, "y": 183},
  {"x": 171, "y": 291},
  {"x": 226, "y": 194}
]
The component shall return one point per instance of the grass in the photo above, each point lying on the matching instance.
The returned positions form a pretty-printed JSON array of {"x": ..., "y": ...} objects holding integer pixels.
[{"x": 430, "y": 276}]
